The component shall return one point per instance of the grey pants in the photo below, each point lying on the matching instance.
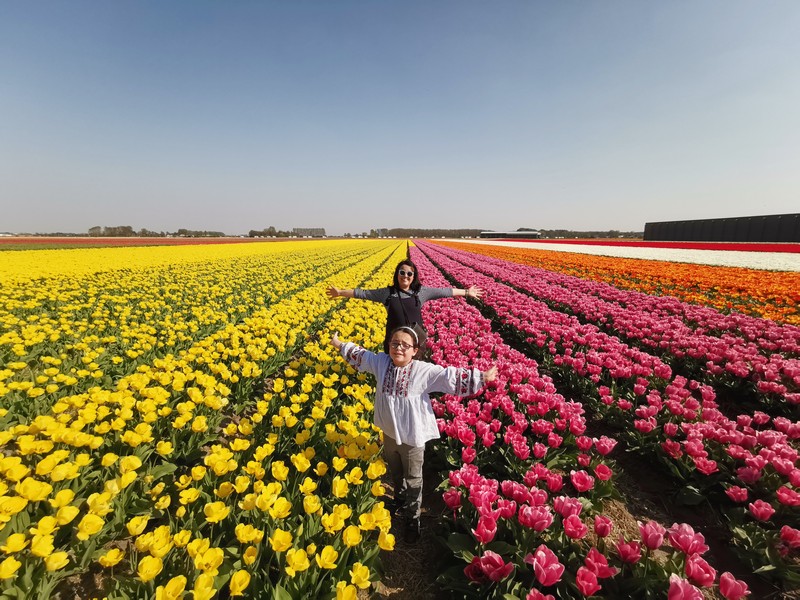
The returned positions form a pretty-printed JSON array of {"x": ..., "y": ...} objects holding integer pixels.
[{"x": 405, "y": 469}]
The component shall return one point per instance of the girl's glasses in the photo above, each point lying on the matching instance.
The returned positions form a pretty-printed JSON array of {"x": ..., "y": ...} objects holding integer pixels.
[
  {"x": 400, "y": 346},
  {"x": 405, "y": 273}
]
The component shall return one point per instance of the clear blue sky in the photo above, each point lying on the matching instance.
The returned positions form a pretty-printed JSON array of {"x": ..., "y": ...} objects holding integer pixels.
[{"x": 233, "y": 116}]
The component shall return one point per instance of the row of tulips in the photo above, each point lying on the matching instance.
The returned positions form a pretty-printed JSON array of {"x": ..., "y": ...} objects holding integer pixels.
[
  {"x": 528, "y": 493},
  {"x": 173, "y": 480},
  {"x": 772, "y": 295},
  {"x": 753, "y": 458},
  {"x": 87, "y": 327},
  {"x": 735, "y": 350}
]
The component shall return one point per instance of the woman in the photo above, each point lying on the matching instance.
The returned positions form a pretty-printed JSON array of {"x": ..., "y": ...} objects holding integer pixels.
[
  {"x": 403, "y": 409},
  {"x": 404, "y": 299}
]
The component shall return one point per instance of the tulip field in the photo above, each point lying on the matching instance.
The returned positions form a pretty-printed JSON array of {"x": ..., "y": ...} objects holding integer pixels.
[{"x": 174, "y": 424}]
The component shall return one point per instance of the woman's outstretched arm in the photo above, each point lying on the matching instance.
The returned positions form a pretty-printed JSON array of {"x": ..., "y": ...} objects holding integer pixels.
[
  {"x": 472, "y": 291},
  {"x": 337, "y": 293}
]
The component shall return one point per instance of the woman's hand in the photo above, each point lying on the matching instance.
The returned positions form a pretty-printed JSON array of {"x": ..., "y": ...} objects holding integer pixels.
[
  {"x": 332, "y": 292},
  {"x": 490, "y": 375},
  {"x": 474, "y": 292},
  {"x": 335, "y": 341}
]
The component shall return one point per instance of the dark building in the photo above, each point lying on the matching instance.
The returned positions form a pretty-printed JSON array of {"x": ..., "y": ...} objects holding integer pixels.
[{"x": 769, "y": 228}]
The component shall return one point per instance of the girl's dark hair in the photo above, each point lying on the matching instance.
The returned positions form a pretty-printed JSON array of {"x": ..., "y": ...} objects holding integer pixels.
[{"x": 415, "y": 284}]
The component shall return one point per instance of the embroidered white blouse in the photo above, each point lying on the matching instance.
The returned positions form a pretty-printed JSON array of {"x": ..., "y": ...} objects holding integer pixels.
[{"x": 402, "y": 403}]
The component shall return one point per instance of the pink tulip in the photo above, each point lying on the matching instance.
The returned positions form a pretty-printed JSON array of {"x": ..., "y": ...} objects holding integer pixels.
[
  {"x": 537, "y": 595},
  {"x": 791, "y": 537},
  {"x": 629, "y": 552},
  {"x": 732, "y": 588},
  {"x": 603, "y": 472},
  {"x": 537, "y": 518},
  {"x": 468, "y": 454},
  {"x": 574, "y": 527},
  {"x": 602, "y": 526},
  {"x": 683, "y": 538},
  {"x": 566, "y": 506},
  {"x": 581, "y": 480},
  {"x": 554, "y": 482},
  {"x": 452, "y": 498},
  {"x": 736, "y": 493},
  {"x": 699, "y": 571},
  {"x": 486, "y": 530},
  {"x": 680, "y": 589},
  {"x": 587, "y": 582},
  {"x": 787, "y": 496},
  {"x": 761, "y": 510},
  {"x": 546, "y": 566},
  {"x": 495, "y": 568},
  {"x": 597, "y": 563},
  {"x": 652, "y": 535},
  {"x": 605, "y": 445}
]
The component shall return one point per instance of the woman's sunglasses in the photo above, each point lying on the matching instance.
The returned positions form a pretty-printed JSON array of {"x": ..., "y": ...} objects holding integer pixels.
[{"x": 403, "y": 273}]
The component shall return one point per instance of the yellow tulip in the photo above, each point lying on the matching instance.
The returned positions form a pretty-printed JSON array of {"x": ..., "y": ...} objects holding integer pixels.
[
  {"x": 351, "y": 536},
  {"x": 311, "y": 504},
  {"x": 204, "y": 587},
  {"x": 345, "y": 591},
  {"x": 173, "y": 590},
  {"x": 9, "y": 567},
  {"x": 164, "y": 448},
  {"x": 359, "y": 576},
  {"x": 279, "y": 470},
  {"x": 281, "y": 509},
  {"x": 300, "y": 462},
  {"x": 33, "y": 490},
  {"x": 56, "y": 561},
  {"x": 239, "y": 581},
  {"x": 386, "y": 541},
  {"x": 149, "y": 568},
  {"x": 129, "y": 463},
  {"x": 42, "y": 545},
  {"x": 14, "y": 543},
  {"x": 250, "y": 555},
  {"x": 182, "y": 538},
  {"x": 215, "y": 511},
  {"x": 327, "y": 558},
  {"x": 62, "y": 498},
  {"x": 45, "y": 526},
  {"x": 111, "y": 558},
  {"x": 280, "y": 540},
  {"x": 296, "y": 561},
  {"x": 339, "y": 487},
  {"x": 66, "y": 514},
  {"x": 137, "y": 524}
]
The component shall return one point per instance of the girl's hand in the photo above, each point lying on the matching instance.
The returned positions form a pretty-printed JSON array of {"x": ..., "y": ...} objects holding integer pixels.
[
  {"x": 332, "y": 292},
  {"x": 335, "y": 341},
  {"x": 490, "y": 375}
]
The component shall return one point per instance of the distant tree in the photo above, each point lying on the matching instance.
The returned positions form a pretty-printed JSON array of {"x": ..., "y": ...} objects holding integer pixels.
[{"x": 95, "y": 231}]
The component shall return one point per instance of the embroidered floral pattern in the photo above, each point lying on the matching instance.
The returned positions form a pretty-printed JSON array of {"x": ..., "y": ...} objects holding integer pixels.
[
  {"x": 354, "y": 355},
  {"x": 397, "y": 380}
]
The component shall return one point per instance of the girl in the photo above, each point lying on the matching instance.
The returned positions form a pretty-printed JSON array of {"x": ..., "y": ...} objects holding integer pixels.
[{"x": 403, "y": 408}]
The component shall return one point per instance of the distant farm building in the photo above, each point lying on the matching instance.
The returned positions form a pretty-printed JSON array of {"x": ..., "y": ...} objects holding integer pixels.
[
  {"x": 769, "y": 228},
  {"x": 523, "y": 235},
  {"x": 309, "y": 232}
]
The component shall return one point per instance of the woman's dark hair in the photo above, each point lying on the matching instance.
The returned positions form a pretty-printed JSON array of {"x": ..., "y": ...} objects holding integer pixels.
[{"x": 415, "y": 284}]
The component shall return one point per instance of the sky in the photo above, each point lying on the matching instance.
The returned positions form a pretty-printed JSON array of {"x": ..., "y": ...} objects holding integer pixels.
[{"x": 358, "y": 115}]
